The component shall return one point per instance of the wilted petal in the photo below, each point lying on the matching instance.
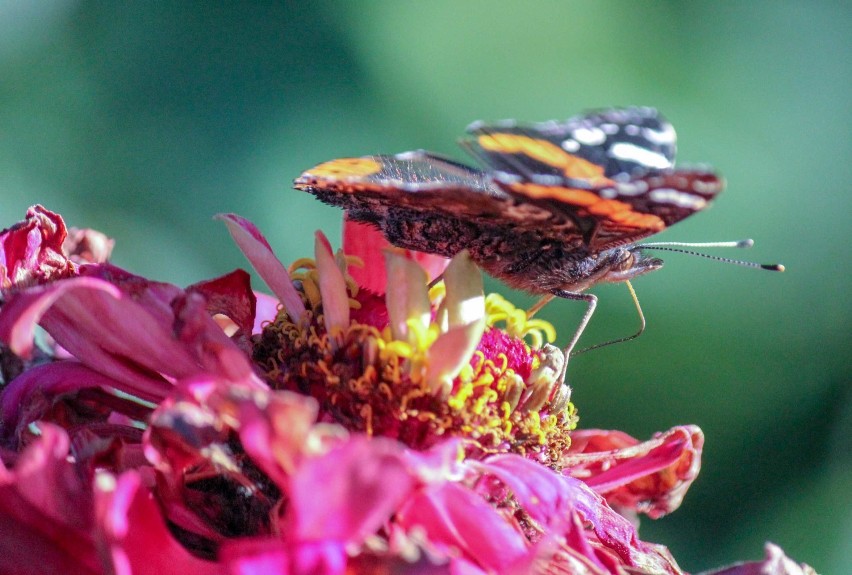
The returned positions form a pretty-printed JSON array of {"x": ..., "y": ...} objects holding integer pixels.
[
  {"x": 335, "y": 297},
  {"x": 30, "y": 395},
  {"x": 231, "y": 296},
  {"x": 262, "y": 258},
  {"x": 550, "y": 499},
  {"x": 31, "y": 250},
  {"x": 774, "y": 563},
  {"x": 87, "y": 246},
  {"x": 651, "y": 477}
]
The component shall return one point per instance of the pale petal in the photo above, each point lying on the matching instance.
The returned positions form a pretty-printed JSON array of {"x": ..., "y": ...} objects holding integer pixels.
[
  {"x": 465, "y": 300},
  {"x": 332, "y": 284},
  {"x": 450, "y": 352},
  {"x": 258, "y": 251},
  {"x": 407, "y": 296}
]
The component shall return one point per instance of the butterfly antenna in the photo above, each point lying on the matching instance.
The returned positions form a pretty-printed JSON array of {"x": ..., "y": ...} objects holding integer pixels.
[{"x": 747, "y": 243}]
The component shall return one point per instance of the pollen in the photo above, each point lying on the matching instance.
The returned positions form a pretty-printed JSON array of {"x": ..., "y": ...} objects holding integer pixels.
[{"x": 507, "y": 396}]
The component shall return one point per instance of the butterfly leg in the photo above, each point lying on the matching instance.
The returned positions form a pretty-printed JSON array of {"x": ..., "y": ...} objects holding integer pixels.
[
  {"x": 629, "y": 337},
  {"x": 591, "y": 302}
]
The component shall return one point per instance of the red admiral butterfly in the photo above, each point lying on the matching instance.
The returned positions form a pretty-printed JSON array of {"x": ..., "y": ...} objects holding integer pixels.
[{"x": 557, "y": 210}]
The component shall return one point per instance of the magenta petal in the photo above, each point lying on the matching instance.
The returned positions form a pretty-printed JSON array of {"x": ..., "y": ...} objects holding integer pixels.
[
  {"x": 455, "y": 517},
  {"x": 549, "y": 497},
  {"x": 349, "y": 492},
  {"x": 255, "y": 557},
  {"x": 105, "y": 330},
  {"x": 260, "y": 254}
]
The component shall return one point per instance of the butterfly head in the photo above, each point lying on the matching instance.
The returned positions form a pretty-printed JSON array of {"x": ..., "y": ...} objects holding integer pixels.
[{"x": 629, "y": 262}]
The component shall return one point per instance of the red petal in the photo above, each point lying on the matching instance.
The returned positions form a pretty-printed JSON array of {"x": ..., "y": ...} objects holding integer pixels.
[
  {"x": 135, "y": 533},
  {"x": 367, "y": 243}
]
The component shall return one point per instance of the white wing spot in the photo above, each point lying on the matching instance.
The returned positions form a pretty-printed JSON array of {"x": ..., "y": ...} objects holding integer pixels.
[
  {"x": 632, "y": 188},
  {"x": 631, "y": 129},
  {"x": 662, "y": 137},
  {"x": 642, "y": 156},
  {"x": 589, "y": 136},
  {"x": 609, "y": 128},
  {"x": 570, "y": 145},
  {"x": 678, "y": 198}
]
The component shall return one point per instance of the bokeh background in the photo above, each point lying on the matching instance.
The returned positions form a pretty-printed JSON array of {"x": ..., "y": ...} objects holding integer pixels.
[{"x": 144, "y": 120}]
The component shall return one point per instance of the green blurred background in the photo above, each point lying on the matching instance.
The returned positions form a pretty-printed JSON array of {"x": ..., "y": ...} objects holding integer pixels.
[{"x": 145, "y": 120}]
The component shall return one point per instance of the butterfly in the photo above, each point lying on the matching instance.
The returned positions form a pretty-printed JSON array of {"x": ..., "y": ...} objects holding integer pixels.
[{"x": 557, "y": 208}]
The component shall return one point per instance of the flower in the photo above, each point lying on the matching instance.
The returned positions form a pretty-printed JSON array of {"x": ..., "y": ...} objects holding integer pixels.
[{"x": 398, "y": 429}]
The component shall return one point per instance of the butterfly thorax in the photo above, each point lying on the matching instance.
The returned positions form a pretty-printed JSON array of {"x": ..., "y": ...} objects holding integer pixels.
[{"x": 549, "y": 270}]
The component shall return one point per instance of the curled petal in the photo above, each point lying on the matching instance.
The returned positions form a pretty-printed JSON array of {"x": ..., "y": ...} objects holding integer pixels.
[
  {"x": 231, "y": 296},
  {"x": 775, "y": 562},
  {"x": 551, "y": 499},
  {"x": 651, "y": 477},
  {"x": 258, "y": 251},
  {"x": 31, "y": 250}
]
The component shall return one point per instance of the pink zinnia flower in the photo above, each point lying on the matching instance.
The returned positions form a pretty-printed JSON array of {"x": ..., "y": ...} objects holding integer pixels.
[{"x": 392, "y": 429}]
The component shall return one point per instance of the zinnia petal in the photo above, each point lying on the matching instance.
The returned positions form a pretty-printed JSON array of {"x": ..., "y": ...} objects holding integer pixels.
[{"x": 260, "y": 254}]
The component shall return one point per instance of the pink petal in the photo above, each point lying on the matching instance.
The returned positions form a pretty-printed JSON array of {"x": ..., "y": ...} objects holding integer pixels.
[
  {"x": 267, "y": 311},
  {"x": 367, "y": 243},
  {"x": 94, "y": 321},
  {"x": 348, "y": 493},
  {"x": 650, "y": 477},
  {"x": 550, "y": 499},
  {"x": 454, "y": 517},
  {"x": 262, "y": 258}
]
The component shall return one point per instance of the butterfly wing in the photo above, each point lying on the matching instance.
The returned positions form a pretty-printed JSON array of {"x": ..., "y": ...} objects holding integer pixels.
[{"x": 609, "y": 172}]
